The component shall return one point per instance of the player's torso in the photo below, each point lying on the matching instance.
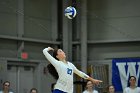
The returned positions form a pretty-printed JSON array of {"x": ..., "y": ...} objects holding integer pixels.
[
  {"x": 65, "y": 70},
  {"x": 136, "y": 90},
  {"x": 65, "y": 81}
]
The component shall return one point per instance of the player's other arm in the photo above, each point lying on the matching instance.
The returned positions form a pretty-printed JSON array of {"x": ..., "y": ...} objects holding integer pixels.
[{"x": 85, "y": 76}]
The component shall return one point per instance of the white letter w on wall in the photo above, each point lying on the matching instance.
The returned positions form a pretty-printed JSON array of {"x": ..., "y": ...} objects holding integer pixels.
[{"x": 127, "y": 69}]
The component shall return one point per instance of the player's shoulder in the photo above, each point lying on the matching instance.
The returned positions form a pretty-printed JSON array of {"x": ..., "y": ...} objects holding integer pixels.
[
  {"x": 70, "y": 63},
  {"x": 127, "y": 88},
  {"x": 11, "y": 92},
  {"x": 2, "y": 91},
  {"x": 85, "y": 91},
  {"x": 138, "y": 88},
  {"x": 95, "y": 91}
]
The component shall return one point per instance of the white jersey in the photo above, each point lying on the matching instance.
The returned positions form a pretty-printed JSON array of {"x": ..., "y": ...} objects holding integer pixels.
[
  {"x": 130, "y": 90},
  {"x": 65, "y": 72},
  {"x": 94, "y": 91},
  {"x": 8, "y": 92}
]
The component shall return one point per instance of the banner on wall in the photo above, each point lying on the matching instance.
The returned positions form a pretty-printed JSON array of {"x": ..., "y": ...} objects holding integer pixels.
[{"x": 122, "y": 69}]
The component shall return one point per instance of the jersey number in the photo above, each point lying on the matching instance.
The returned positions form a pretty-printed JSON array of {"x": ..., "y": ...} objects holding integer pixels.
[{"x": 69, "y": 71}]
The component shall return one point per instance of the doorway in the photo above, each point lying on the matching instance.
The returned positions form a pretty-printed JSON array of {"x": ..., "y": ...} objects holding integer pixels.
[{"x": 21, "y": 77}]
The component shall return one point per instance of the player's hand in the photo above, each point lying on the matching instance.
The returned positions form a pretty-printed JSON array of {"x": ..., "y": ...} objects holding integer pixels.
[
  {"x": 50, "y": 48},
  {"x": 97, "y": 82}
]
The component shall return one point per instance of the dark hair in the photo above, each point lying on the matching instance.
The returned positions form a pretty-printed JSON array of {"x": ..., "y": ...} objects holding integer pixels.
[
  {"x": 51, "y": 68},
  {"x": 131, "y": 77},
  {"x": 6, "y": 82},
  {"x": 129, "y": 80},
  {"x": 85, "y": 83},
  {"x": 52, "y": 86},
  {"x": 110, "y": 86},
  {"x": 33, "y": 89}
]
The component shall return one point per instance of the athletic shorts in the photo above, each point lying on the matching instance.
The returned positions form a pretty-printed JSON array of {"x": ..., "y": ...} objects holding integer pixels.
[{"x": 58, "y": 91}]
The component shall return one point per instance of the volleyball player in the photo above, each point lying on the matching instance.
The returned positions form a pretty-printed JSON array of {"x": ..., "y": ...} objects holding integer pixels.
[{"x": 63, "y": 71}]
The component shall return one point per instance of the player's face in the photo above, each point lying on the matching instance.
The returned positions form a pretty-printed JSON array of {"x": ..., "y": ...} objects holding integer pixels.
[
  {"x": 34, "y": 91},
  {"x": 6, "y": 85},
  {"x": 111, "y": 89},
  {"x": 60, "y": 54},
  {"x": 89, "y": 85},
  {"x": 132, "y": 81}
]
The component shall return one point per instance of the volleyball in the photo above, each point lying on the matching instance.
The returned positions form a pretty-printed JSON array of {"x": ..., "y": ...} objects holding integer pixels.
[{"x": 70, "y": 12}]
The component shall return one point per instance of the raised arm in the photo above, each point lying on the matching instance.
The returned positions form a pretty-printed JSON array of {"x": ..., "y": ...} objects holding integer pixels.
[{"x": 51, "y": 59}]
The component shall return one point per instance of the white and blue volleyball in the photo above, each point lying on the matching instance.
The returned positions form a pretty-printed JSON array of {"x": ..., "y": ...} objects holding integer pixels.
[{"x": 70, "y": 12}]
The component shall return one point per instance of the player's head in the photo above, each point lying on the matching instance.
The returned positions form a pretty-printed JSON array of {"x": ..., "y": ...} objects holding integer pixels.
[
  {"x": 59, "y": 54},
  {"x": 33, "y": 90},
  {"x": 132, "y": 80},
  {"x": 89, "y": 84},
  {"x": 111, "y": 89},
  {"x": 6, "y": 85}
]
